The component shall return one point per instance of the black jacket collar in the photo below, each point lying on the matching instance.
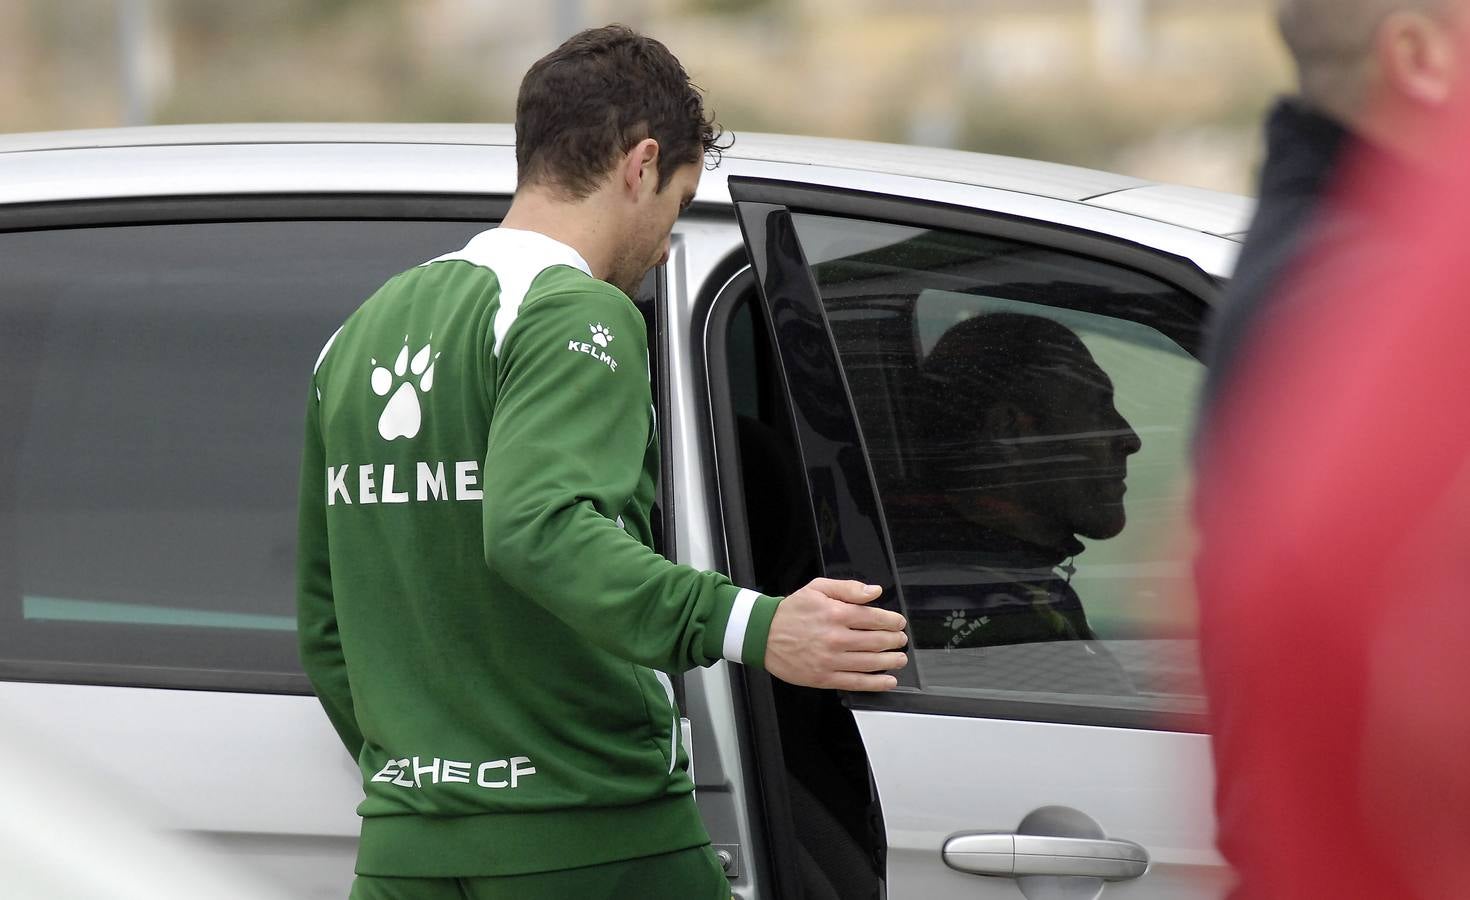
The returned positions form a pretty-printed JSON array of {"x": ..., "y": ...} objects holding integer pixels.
[{"x": 1303, "y": 149}]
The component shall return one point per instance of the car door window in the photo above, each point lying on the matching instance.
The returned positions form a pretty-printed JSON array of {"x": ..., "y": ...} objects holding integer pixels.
[
  {"x": 1025, "y": 412},
  {"x": 155, "y": 388}
]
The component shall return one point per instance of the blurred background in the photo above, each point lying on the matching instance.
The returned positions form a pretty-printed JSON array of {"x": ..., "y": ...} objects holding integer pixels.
[{"x": 1161, "y": 89}]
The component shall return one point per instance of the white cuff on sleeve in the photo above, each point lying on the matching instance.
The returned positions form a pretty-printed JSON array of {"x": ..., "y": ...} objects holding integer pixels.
[{"x": 739, "y": 620}]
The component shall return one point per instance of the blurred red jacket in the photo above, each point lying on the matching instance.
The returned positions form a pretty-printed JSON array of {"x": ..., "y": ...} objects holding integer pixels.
[{"x": 1334, "y": 575}]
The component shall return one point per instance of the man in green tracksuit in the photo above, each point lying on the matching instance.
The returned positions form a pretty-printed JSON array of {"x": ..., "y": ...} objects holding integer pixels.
[{"x": 480, "y": 610}]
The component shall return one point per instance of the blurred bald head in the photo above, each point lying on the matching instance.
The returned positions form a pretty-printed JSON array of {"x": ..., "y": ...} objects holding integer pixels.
[{"x": 1353, "y": 53}]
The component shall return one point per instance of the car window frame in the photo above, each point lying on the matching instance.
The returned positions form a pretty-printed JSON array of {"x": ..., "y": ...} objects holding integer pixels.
[
  {"x": 767, "y": 796},
  {"x": 762, "y": 203}
]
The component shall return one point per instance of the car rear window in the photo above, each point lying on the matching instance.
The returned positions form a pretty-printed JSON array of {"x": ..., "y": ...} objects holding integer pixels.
[{"x": 154, "y": 385}]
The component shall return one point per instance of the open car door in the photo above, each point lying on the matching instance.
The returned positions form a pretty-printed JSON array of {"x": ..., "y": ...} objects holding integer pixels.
[{"x": 992, "y": 416}]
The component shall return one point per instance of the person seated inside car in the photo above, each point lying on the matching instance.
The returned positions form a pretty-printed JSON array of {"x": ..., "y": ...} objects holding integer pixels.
[{"x": 1022, "y": 454}]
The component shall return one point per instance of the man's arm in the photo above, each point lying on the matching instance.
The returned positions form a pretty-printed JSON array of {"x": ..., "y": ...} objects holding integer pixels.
[
  {"x": 565, "y": 452},
  {"x": 316, "y": 614}
]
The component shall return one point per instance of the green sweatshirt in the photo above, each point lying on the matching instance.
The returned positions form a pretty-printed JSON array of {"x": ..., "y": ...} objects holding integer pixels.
[{"x": 480, "y": 609}]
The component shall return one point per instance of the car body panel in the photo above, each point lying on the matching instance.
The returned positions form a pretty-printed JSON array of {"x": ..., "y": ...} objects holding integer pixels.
[
  {"x": 262, "y": 777},
  {"x": 316, "y": 168},
  {"x": 284, "y": 168},
  {"x": 182, "y": 160},
  {"x": 942, "y": 775},
  {"x": 1225, "y": 215},
  {"x": 1007, "y": 173}
]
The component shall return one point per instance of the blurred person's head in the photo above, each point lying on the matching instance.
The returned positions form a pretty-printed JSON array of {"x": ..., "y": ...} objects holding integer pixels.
[
  {"x": 1025, "y": 438},
  {"x": 1380, "y": 67},
  {"x": 610, "y": 130}
]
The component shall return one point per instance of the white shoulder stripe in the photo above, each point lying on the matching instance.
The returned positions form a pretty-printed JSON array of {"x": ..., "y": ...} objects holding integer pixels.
[
  {"x": 516, "y": 257},
  {"x": 739, "y": 621},
  {"x": 322, "y": 356}
]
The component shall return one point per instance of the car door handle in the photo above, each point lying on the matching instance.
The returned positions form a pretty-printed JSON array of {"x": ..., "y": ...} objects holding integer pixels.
[{"x": 1016, "y": 855}]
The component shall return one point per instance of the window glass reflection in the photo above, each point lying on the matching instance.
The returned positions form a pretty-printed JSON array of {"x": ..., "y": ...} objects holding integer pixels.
[{"x": 1026, "y": 414}]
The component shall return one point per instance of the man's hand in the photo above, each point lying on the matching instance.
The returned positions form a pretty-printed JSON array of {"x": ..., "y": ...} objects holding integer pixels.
[{"x": 824, "y": 636}]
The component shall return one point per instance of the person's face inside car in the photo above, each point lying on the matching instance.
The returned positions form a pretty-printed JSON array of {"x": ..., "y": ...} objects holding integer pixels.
[
  {"x": 1077, "y": 446},
  {"x": 1037, "y": 448}
]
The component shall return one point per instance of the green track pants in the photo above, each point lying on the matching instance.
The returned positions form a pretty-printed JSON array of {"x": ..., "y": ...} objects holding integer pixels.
[{"x": 693, "y": 874}]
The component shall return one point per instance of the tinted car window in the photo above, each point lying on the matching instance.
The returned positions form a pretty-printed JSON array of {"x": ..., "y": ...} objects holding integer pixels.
[
  {"x": 156, "y": 382},
  {"x": 1025, "y": 413}
]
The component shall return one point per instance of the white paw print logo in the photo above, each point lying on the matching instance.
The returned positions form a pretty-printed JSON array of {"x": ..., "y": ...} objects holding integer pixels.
[
  {"x": 403, "y": 416},
  {"x": 601, "y": 336},
  {"x": 955, "y": 620}
]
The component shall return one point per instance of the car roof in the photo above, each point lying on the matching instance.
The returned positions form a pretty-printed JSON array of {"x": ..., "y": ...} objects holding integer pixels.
[{"x": 1208, "y": 211}]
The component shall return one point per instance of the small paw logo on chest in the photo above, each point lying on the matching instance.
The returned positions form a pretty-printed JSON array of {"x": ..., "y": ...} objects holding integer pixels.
[
  {"x": 403, "y": 415},
  {"x": 601, "y": 334}
]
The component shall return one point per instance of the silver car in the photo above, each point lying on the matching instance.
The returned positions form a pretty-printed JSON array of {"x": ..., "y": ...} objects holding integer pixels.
[{"x": 164, "y": 292}]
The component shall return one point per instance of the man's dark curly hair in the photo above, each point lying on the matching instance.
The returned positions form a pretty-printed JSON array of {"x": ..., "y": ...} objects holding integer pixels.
[{"x": 594, "y": 98}]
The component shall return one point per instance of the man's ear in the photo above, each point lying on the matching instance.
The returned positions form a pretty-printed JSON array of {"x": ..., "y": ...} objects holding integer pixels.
[
  {"x": 639, "y": 171},
  {"x": 1417, "y": 56},
  {"x": 1007, "y": 421}
]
